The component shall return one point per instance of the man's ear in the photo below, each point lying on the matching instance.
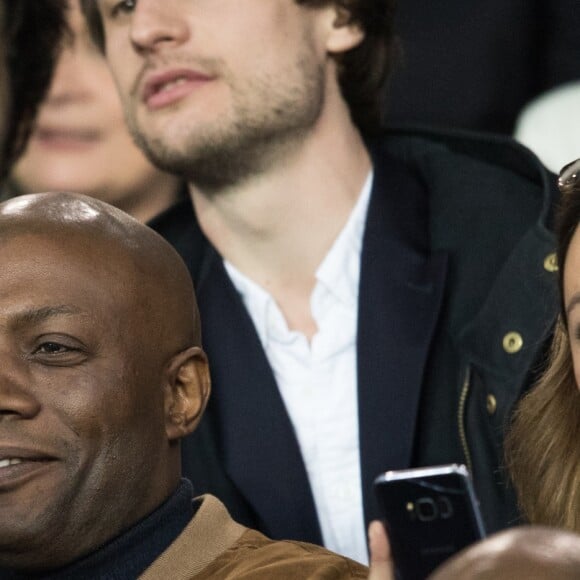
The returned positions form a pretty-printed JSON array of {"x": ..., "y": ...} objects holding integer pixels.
[
  {"x": 343, "y": 33},
  {"x": 187, "y": 389}
]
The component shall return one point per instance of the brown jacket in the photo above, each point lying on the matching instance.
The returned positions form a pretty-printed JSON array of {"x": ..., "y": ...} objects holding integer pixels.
[{"x": 215, "y": 546}]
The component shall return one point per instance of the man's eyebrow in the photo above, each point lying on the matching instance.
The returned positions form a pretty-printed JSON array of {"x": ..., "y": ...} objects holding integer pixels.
[
  {"x": 575, "y": 300},
  {"x": 38, "y": 315}
]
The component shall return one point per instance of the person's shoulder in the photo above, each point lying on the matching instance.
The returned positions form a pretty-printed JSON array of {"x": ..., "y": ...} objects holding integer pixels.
[
  {"x": 469, "y": 173},
  {"x": 256, "y": 556},
  {"x": 459, "y": 148},
  {"x": 490, "y": 206},
  {"x": 214, "y": 546}
]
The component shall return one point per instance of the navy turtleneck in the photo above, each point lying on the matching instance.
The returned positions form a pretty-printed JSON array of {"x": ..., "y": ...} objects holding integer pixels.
[{"x": 131, "y": 553}]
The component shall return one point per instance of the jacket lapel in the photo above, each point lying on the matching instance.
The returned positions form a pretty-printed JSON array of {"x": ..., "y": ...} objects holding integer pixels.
[
  {"x": 400, "y": 295},
  {"x": 255, "y": 435}
]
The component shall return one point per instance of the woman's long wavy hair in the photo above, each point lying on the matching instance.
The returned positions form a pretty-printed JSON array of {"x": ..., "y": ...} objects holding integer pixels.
[
  {"x": 32, "y": 32},
  {"x": 543, "y": 445}
]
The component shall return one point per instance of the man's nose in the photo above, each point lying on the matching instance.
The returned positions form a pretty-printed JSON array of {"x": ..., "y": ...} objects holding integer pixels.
[
  {"x": 156, "y": 24},
  {"x": 17, "y": 401}
]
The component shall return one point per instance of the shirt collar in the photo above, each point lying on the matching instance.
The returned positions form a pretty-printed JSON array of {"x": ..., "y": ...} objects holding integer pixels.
[{"x": 338, "y": 274}]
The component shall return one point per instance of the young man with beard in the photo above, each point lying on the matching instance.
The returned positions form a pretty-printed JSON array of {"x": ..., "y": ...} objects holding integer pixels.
[{"x": 372, "y": 300}]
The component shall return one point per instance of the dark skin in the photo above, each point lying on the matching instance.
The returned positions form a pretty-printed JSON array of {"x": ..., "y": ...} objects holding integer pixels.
[{"x": 102, "y": 374}]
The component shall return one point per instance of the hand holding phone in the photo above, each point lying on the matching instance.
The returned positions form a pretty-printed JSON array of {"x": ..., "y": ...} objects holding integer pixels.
[{"x": 430, "y": 514}]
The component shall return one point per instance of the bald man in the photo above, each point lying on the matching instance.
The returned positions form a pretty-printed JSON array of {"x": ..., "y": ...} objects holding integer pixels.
[
  {"x": 524, "y": 553},
  {"x": 101, "y": 376},
  {"x": 529, "y": 552}
]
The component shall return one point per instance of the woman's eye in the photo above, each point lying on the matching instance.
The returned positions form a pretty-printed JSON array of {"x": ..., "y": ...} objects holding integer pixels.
[{"x": 123, "y": 7}]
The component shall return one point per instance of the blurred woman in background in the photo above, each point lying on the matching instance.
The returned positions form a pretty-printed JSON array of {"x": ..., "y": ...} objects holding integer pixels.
[
  {"x": 80, "y": 142},
  {"x": 30, "y": 34}
]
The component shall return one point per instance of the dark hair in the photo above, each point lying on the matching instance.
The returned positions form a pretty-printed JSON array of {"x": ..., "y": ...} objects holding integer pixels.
[
  {"x": 94, "y": 22},
  {"x": 32, "y": 33},
  {"x": 363, "y": 70}
]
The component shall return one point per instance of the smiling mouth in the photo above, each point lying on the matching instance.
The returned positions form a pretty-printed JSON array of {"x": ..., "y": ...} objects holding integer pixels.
[
  {"x": 8, "y": 462},
  {"x": 15, "y": 471}
]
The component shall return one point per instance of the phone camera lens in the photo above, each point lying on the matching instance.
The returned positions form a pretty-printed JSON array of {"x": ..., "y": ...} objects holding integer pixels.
[{"x": 426, "y": 509}]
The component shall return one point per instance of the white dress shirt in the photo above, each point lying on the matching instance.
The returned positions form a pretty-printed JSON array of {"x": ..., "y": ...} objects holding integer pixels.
[{"x": 318, "y": 381}]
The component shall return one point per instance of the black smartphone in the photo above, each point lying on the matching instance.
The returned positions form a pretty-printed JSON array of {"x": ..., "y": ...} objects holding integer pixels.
[{"x": 430, "y": 514}]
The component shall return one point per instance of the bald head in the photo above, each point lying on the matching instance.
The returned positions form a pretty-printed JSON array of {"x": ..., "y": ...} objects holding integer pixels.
[
  {"x": 101, "y": 375},
  {"x": 530, "y": 552},
  {"x": 125, "y": 253}
]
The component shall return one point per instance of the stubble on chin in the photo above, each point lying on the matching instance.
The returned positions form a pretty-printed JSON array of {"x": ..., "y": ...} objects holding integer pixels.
[{"x": 270, "y": 117}]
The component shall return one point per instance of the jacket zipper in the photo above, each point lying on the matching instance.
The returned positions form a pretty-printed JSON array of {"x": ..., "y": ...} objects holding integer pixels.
[{"x": 461, "y": 418}]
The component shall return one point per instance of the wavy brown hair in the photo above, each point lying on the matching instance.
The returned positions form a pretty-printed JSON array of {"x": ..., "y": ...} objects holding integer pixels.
[
  {"x": 31, "y": 33},
  {"x": 543, "y": 444},
  {"x": 363, "y": 70}
]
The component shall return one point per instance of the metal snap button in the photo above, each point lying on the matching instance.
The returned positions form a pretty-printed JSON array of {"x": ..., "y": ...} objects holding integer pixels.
[
  {"x": 491, "y": 404},
  {"x": 513, "y": 342},
  {"x": 551, "y": 263}
]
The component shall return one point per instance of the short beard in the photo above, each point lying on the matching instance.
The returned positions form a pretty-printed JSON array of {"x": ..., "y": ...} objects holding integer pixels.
[{"x": 271, "y": 118}]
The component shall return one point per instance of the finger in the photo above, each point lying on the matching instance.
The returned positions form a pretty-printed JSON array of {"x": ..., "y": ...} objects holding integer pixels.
[{"x": 381, "y": 562}]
